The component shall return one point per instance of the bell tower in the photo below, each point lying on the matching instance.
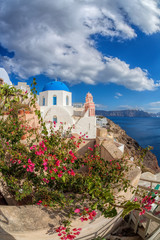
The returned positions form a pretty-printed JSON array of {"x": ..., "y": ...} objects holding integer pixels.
[{"x": 89, "y": 105}]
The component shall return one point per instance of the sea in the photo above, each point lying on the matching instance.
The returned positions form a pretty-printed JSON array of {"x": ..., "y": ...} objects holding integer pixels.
[{"x": 146, "y": 131}]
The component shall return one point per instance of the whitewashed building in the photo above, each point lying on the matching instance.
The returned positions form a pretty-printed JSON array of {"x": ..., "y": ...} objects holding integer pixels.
[
  {"x": 4, "y": 78},
  {"x": 55, "y": 102},
  {"x": 23, "y": 86}
]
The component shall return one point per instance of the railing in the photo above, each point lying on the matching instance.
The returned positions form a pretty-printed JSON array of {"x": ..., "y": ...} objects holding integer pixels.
[
  {"x": 150, "y": 188},
  {"x": 135, "y": 218}
]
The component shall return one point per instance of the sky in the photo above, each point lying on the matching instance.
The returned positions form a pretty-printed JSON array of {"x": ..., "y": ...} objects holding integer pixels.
[{"x": 110, "y": 48}]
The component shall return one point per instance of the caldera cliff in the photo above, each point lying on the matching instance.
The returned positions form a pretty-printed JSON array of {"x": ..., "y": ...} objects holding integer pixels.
[{"x": 133, "y": 149}]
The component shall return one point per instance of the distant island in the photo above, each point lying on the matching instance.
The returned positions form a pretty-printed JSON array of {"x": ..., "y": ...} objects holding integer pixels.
[{"x": 126, "y": 113}]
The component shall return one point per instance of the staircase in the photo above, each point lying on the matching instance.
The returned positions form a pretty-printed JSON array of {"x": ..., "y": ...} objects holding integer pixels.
[{"x": 148, "y": 225}]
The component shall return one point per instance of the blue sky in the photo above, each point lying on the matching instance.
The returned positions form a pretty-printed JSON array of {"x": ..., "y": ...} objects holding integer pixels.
[{"x": 109, "y": 48}]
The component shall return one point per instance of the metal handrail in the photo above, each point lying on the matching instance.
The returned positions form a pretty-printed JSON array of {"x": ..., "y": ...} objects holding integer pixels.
[
  {"x": 149, "y": 189},
  {"x": 147, "y": 180}
]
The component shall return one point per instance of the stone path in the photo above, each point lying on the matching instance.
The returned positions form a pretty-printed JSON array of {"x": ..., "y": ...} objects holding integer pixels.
[{"x": 28, "y": 235}]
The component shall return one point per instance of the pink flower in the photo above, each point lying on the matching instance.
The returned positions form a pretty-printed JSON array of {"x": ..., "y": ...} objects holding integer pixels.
[
  {"x": 72, "y": 173},
  {"x": 45, "y": 180},
  {"x": 90, "y": 148},
  {"x": 136, "y": 199},
  {"x": 32, "y": 147},
  {"x": 29, "y": 161},
  {"x": 70, "y": 152},
  {"x": 57, "y": 163},
  {"x": 60, "y": 175},
  {"x": 83, "y": 219},
  {"x": 86, "y": 209},
  {"x": 92, "y": 214},
  {"x": 77, "y": 210},
  {"x": 39, "y": 202},
  {"x": 55, "y": 170},
  {"x": 143, "y": 212}
]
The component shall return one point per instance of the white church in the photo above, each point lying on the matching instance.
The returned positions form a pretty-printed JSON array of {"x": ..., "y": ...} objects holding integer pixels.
[{"x": 55, "y": 103}]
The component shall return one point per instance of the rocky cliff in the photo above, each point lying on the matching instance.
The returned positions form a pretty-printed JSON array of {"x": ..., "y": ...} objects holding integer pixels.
[
  {"x": 132, "y": 148},
  {"x": 124, "y": 113}
]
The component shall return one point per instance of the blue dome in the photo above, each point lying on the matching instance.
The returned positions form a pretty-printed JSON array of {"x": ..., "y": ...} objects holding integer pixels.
[{"x": 55, "y": 85}]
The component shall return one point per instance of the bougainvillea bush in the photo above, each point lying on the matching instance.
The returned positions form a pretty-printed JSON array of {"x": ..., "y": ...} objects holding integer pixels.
[{"x": 44, "y": 169}]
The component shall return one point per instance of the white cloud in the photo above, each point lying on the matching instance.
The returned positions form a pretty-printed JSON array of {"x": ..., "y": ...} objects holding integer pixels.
[
  {"x": 53, "y": 38},
  {"x": 154, "y": 109},
  {"x": 129, "y": 107},
  {"x": 126, "y": 107},
  {"x": 155, "y": 104},
  {"x": 101, "y": 106},
  {"x": 141, "y": 12},
  {"x": 117, "y": 95}
]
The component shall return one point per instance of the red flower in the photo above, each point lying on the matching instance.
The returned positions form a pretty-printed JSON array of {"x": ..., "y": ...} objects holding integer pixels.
[
  {"x": 90, "y": 148},
  {"x": 60, "y": 175},
  {"x": 57, "y": 163}
]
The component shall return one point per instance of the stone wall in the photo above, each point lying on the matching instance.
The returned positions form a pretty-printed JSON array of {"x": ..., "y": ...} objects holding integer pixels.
[{"x": 109, "y": 148}]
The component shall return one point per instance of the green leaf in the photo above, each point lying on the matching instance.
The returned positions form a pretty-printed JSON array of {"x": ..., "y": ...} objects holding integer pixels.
[
  {"x": 111, "y": 213},
  {"x": 63, "y": 178},
  {"x": 130, "y": 206},
  {"x": 94, "y": 206}
]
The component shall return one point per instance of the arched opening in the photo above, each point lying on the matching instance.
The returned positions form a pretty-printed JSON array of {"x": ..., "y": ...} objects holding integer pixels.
[
  {"x": 54, "y": 100},
  {"x": 44, "y": 101},
  {"x": 54, "y": 119},
  {"x": 67, "y": 100}
]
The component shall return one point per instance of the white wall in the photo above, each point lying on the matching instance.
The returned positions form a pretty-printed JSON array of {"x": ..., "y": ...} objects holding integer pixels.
[
  {"x": 61, "y": 98},
  {"x": 62, "y": 114},
  {"x": 121, "y": 148},
  {"x": 86, "y": 125},
  {"x": 4, "y": 76},
  {"x": 78, "y": 112}
]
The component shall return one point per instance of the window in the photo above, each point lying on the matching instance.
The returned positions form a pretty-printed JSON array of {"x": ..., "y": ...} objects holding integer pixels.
[
  {"x": 43, "y": 101},
  {"x": 54, "y": 100},
  {"x": 54, "y": 119},
  {"x": 67, "y": 100}
]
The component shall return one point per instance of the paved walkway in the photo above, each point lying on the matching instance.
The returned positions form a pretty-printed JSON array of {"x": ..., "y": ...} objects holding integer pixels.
[{"x": 32, "y": 235}]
